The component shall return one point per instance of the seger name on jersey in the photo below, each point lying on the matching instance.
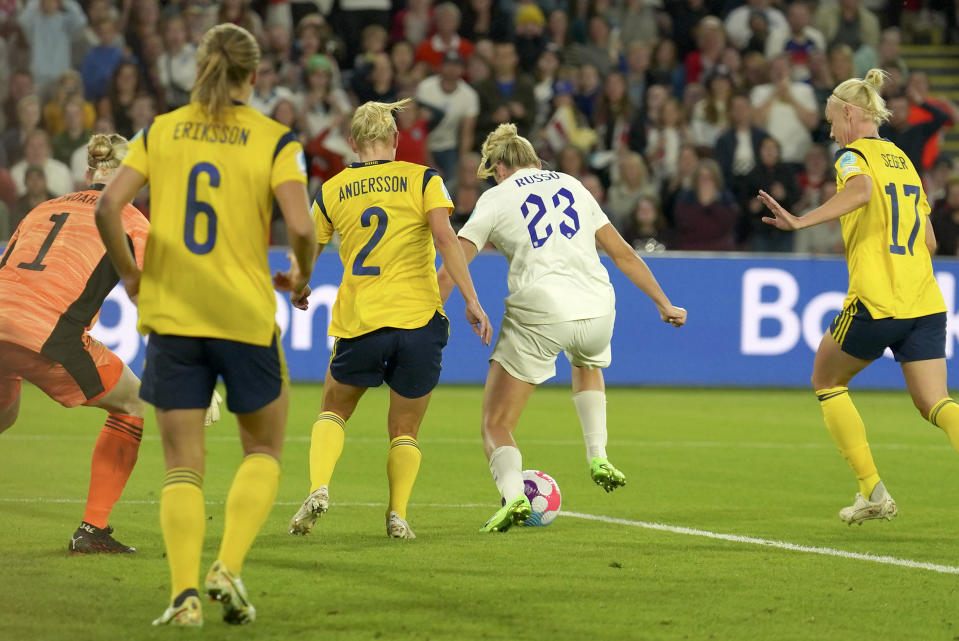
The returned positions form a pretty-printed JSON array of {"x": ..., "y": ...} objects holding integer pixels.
[
  {"x": 536, "y": 178},
  {"x": 373, "y": 184},
  {"x": 893, "y": 161},
  {"x": 209, "y": 132}
]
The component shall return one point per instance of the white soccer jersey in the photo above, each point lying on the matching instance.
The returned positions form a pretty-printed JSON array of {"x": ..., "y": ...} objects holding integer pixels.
[{"x": 545, "y": 223}]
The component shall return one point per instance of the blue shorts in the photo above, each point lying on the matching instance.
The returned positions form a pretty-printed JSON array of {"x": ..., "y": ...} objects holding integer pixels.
[
  {"x": 409, "y": 360},
  {"x": 180, "y": 373},
  {"x": 910, "y": 339}
]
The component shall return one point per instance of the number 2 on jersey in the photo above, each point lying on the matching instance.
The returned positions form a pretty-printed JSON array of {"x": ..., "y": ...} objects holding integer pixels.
[
  {"x": 907, "y": 190},
  {"x": 359, "y": 269},
  {"x": 539, "y": 238},
  {"x": 196, "y": 207}
]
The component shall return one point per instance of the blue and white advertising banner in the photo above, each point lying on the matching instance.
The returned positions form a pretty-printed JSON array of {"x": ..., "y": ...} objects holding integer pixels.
[{"x": 753, "y": 321}]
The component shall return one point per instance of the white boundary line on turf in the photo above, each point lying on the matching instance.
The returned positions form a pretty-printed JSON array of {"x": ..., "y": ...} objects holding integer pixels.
[
  {"x": 660, "y": 527},
  {"x": 761, "y": 445},
  {"x": 782, "y": 545}
]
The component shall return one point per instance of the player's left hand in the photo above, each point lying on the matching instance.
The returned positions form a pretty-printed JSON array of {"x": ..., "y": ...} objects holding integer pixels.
[
  {"x": 675, "y": 316},
  {"x": 292, "y": 279},
  {"x": 131, "y": 283},
  {"x": 781, "y": 219},
  {"x": 479, "y": 321}
]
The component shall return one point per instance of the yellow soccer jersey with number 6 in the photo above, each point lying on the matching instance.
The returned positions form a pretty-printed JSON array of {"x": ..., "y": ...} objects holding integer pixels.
[
  {"x": 205, "y": 269},
  {"x": 890, "y": 270},
  {"x": 389, "y": 262}
]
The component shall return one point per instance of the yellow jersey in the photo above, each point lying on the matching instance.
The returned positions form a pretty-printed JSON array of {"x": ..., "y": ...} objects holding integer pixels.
[
  {"x": 205, "y": 269},
  {"x": 389, "y": 262},
  {"x": 890, "y": 270}
]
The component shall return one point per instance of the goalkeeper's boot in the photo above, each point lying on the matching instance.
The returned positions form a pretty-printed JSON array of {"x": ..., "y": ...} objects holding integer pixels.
[
  {"x": 397, "y": 527},
  {"x": 513, "y": 513},
  {"x": 222, "y": 586},
  {"x": 186, "y": 611},
  {"x": 605, "y": 475},
  {"x": 879, "y": 505},
  {"x": 89, "y": 539},
  {"x": 315, "y": 504}
]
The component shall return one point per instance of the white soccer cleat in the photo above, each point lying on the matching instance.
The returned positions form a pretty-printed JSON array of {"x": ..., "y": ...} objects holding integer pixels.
[
  {"x": 863, "y": 509},
  {"x": 315, "y": 504},
  {"x": 398, "y": 528},
  {"x": 213, "y": 412}
]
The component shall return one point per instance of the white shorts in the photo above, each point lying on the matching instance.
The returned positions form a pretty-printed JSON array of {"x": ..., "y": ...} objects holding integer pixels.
[{"x": 528, "y": 352}]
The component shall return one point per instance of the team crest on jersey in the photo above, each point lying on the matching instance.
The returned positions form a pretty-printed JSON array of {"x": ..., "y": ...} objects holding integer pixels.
[{"x": 847, "y": 159}]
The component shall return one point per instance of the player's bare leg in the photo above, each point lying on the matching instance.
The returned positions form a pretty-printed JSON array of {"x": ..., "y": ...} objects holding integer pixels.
[
  {"x": 589, "y": 396},
  {"x": 504, "y": 399},
  {"x": 8, "y": 414},
  {"x": 832, "y": 371},
  {"x": 326, "y": 446},
  {"x": 926, "y": 381}
]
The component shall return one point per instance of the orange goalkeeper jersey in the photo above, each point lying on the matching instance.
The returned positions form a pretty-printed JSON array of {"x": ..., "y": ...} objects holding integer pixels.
[{"x": 55, "y": 274}]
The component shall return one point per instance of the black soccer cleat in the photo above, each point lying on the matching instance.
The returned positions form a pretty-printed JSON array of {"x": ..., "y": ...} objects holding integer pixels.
[{"x": 89, "y": 539}]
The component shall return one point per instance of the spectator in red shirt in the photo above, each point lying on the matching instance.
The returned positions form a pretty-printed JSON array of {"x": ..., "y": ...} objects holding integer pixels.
[
  {"x": 446, "y": 38},
  {"x": 917, "y": 88}
]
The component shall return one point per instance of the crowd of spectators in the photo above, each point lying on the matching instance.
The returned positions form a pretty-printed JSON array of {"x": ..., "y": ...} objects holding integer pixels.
[{"x": 673, "y": 113}]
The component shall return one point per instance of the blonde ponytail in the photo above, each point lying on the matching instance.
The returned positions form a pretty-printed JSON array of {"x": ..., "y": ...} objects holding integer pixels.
[
  {"x": 104, "y": 155},
  {"x": 864, "y": 94},
  {"x": 505, "y": 145},
  {"x": 227, "y": 56},
  {"x": 373, "y": 122}
]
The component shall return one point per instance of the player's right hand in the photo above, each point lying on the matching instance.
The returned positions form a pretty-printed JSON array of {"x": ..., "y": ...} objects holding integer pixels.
[
  {"x": 131, "y": 283},
  {"x": 301, "y": 299},
  {"x": 479, "y": 321},
  {"x": 675, "y": 316}
]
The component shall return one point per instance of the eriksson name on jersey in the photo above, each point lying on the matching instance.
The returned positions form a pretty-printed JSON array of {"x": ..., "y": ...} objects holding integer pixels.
[
  {"x": 224, "y": 134},
  {"x": 372, "y": 184},
  {"x": 536, "y": 178}
]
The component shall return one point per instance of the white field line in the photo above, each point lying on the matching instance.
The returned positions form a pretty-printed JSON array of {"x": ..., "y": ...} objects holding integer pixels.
[
  {"x": 441, "y": 440},
  {"x": 660, "y": 527}
]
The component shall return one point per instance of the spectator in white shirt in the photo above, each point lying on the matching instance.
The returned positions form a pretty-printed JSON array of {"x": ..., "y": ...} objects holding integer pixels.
[
  {"x": 787, "y": 110},
  {"x": 37, "y": 153},
  {"x": 176, "y": 66},
  {"x": 798, "y": 39},
  {"x": 737, "y": 22},
  {"x": 448, "y": 93},
  {"x": 266, "y": 93},
  {"x": 49, "y": 27}
]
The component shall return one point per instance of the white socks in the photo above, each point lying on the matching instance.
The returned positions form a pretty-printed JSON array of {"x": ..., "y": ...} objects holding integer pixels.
[
  {"x": 506, "y": 464},
  {"x": 591, "y": 408}
]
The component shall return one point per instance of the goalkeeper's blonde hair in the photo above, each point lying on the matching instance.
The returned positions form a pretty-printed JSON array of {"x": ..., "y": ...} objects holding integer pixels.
[
  {"x": 505, "y": 145},
  {"x": 373, "y": 121},
  {"x": 105, "y": 152},
  {"x": 864, "y": 94}
]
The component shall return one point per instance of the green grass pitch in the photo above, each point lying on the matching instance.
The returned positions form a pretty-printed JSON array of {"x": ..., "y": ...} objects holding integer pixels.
[{"x": 740, "y": 462}]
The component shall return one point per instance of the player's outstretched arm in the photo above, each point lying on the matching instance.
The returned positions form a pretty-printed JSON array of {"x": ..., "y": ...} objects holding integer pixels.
[
  {"x": 855, "y": 194},
  {"x": 443, "y": 276},
  {"x": 294, "y": 205},
  {"x": 108, "y": 213},
  {"x": 626, "y": 260},
  {"x": 455, "y": 264}
]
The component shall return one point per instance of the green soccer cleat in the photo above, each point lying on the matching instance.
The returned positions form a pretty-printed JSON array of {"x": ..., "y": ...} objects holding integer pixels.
[
  {"x": 605, "y": 475},
  {"x": 513, "y": 513},
  {"x": 189, "y": 614},
  {"x": 222, "y": 586}
]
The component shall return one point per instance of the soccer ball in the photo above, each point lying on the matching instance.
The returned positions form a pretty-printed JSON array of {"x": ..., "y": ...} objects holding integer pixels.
[{"x": 543, "y": 494}]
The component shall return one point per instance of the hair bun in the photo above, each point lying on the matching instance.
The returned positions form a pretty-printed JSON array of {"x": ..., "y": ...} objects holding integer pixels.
[
  {"x": 876, "y": 78},
  {"x": 100, "y": 148}
]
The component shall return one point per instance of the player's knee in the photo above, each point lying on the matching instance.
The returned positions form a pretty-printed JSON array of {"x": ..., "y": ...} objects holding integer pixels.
[{"x": 8, "y": 415}]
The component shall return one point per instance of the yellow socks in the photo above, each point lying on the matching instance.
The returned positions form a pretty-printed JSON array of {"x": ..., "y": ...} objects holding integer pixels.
[
  {"x": 402, "y": 465},
  {"x": 849, "y": 434},
  {"x": 247, "y": 506},
  {"x": 183, "y": 522},
  {"x": 945, "y": 416},
  {"x": 326, "y": 445}
]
